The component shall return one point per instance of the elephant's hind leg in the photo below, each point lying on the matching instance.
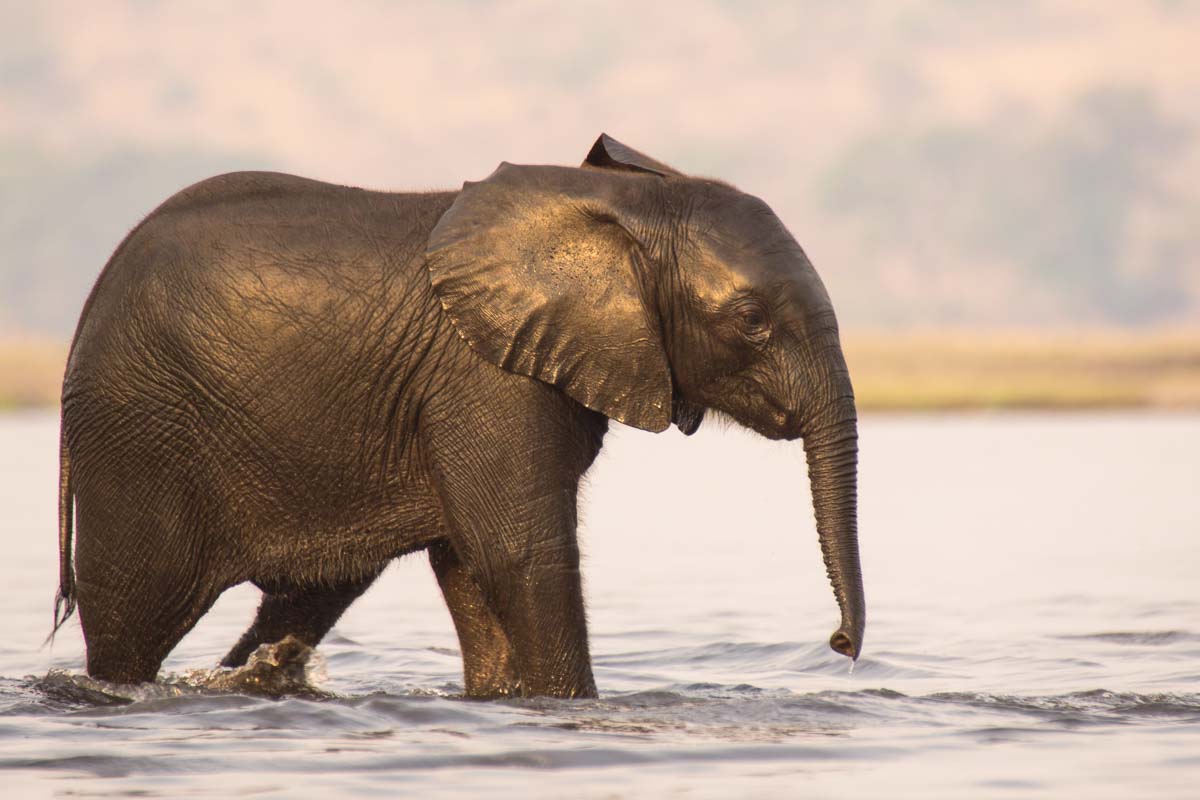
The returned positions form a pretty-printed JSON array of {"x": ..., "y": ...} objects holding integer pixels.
[
  {"x": 488, "y": 666},
  {"x": 135, "y": 609},
  {"x": 306, "y": 612},
  {"x": 121, "y": 652}
]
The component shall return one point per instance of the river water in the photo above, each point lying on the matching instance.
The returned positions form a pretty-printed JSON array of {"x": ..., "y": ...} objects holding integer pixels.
[{"x": 1034, "y": 631}]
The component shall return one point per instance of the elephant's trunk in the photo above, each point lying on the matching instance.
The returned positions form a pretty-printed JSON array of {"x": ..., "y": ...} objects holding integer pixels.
[{"x": 831, "y": 445}]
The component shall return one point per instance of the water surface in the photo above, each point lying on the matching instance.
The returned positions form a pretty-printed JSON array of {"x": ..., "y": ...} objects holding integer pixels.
[{"x": 1034, "y": 631}]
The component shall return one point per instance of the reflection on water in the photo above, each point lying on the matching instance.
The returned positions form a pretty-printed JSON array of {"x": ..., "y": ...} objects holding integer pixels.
[{"x": 1033, "y": 630}]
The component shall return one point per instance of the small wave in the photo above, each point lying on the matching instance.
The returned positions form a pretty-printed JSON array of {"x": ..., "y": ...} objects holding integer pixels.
[
  {"x": 62, "y": 691},
  {"x": 1150, "y": 638},
  {"x": 708, "y": 711},
  {"x": 749, "y": 713},
  {"x": 99, "y": 766},
  {"x": 756, "y": 659},
  {"x": 1096, "y": 706}
]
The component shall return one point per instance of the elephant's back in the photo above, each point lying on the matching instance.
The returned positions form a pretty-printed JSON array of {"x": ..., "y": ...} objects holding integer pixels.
[
  {"x": 185, "y": 229},
  {"x": 232, "y": 188},
  {"x": 240, "y": 254},
  {"x": 252, "y": 286}
]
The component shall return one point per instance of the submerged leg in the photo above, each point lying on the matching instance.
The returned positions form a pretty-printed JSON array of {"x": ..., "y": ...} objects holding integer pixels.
[
  {"x": 306, "y": 613},
  {"x": 509, "y": 500},
  {"x": 134, "y": 611},
  {"x": 488, "y": 669},
  {"x": 137, "y": 597}
]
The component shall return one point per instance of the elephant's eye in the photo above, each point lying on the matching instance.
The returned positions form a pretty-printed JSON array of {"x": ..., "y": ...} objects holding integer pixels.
[{"x": 753, "y": 320}]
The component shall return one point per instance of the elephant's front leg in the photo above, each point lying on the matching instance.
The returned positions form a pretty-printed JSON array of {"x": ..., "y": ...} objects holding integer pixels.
[
  {"x": 510, "y": 513},
  {"x": 489, "y": 669}
]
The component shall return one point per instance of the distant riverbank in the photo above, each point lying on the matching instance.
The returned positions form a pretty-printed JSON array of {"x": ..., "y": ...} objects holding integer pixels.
[
  {"x": 941, "y": 370},
  {"x": 31, "y": 372},
  {"x": 902, "y": 371}
]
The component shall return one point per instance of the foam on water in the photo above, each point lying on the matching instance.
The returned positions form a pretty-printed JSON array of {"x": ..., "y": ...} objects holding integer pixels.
[{"x": 286, "y": 668}]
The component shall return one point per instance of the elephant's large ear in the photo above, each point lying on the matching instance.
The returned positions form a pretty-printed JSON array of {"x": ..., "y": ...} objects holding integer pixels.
[
  {"x": 540, "y": 278},
  {"x": 608, "y": 153}
]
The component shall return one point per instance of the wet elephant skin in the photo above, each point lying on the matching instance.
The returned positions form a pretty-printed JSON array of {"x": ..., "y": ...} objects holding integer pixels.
[{"x": 292, "y": 383}]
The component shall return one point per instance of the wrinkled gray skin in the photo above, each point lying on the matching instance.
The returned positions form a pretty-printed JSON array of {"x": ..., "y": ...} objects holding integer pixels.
[{"x": 292, "y": 383}]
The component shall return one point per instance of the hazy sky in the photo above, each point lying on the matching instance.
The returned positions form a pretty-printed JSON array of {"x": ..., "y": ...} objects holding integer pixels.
[{"x": 965, "y": 162}]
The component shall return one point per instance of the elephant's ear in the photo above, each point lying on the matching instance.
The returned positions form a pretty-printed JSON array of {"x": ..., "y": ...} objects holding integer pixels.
[
  {"x": 608, "y": 153},
  {"x": 540, "y": 278}
]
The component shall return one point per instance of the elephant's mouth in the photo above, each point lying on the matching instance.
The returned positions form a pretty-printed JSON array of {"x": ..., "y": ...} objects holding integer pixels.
[
  {"x": 686, "y": 416},
  {"x": 758, "y": 411}
]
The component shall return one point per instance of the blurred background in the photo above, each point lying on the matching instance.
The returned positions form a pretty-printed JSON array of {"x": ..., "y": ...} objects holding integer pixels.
[
  {"x": 1025, "y": 174},
  {"x": 1003, "y": 199}
]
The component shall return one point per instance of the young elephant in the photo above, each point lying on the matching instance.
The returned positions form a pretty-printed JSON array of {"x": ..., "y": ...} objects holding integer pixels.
[{"x": 292, "y": 383}]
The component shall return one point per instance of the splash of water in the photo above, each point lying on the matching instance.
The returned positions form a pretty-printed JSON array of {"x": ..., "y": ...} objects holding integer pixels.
[{"x": 286, "y": 668}]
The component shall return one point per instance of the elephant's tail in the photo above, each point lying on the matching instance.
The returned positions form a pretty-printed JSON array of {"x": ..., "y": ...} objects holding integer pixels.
[{"x": 64, "y": 602}]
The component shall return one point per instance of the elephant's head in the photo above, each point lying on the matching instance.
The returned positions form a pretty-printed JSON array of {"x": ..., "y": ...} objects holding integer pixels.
[{"x": 651, "y": 297}]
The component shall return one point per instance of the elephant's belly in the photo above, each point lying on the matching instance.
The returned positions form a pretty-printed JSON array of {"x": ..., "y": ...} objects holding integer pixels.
[{"x": 343, "y": 545}]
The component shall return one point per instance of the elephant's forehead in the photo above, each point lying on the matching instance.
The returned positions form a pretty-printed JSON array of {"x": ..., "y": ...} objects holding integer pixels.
[{"x": 748, "y": 256}]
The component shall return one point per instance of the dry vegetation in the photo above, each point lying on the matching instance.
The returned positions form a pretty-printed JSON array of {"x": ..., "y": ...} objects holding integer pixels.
[
  {"x": 894, "y": 372},
  {"x": 31, "y": 372},
  {"x": 956, "y": 369}
]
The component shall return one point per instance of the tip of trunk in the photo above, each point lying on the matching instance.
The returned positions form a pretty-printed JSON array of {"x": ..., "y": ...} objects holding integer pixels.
[{"x": 842, "y": 642}]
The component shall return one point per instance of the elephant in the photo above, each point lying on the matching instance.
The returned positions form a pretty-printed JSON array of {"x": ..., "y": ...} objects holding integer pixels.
[{"x": 291, "y": 383}]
